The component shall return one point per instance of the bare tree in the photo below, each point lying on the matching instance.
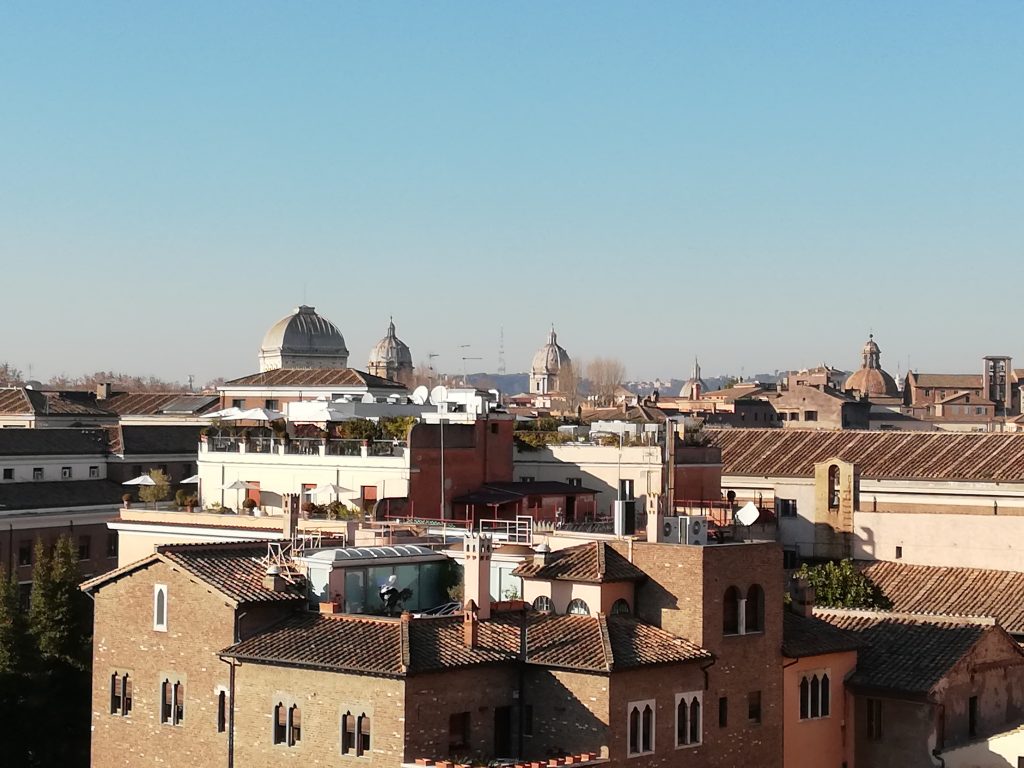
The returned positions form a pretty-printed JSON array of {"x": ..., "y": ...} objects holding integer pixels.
[
  {"x": 10, "y": 376},
  {"x": 570, "y": 383},
  {"x": 606, "y": 374}
]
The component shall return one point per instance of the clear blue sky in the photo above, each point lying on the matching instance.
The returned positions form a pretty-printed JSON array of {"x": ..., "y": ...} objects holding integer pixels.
[{"x": 758, "y": 183}]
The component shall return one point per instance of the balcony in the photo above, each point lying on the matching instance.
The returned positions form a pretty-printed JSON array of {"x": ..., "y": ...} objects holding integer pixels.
[{"x": 303, "y": 446}]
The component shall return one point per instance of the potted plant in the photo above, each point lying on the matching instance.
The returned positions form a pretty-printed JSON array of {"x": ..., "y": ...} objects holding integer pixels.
[
  {"x": 249, "y": 505},
  {"x": 190, "y": 504},
  {"x": 127, "y": 499},
  {"x": 180, "y": 497}
]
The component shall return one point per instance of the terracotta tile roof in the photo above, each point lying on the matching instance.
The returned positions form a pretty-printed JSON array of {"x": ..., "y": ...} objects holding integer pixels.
[
  {"x": 906, "y": 653},
  {"x": 809, "y": 636},
  {"x": 953, "y": 591},
  {"x": 593, "y": 562},
  {"x": 395, "y": 647},
  {"x": 14, "y": 400},
  {"x": 233, "y": 569},
  {"x": 895, "y": 455},
  {"x": 312, "y": 377},
  {"x": 947, "y": 380},
  {"x": 156, "y": 403},
  {"x": 66, "y": 403}
]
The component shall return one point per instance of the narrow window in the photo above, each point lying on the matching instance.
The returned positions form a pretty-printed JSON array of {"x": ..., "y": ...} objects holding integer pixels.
[
  {"x": 8, "y": 473},
  {"x": 647, "y": 729},
  {"x": 363, "y": 745},
  {"x": 972, "y": 716},
  {"x": 84, "y": 547},
  {"x": 37, "y": 473},
  {"x": 754, "y": 706},
  {"x": 755, "y": 609},
  {"x": 166, "y": 701},
  {"x": 805, "y": 698},
  {"x": 115, "y": 694},
  {"x": 833, "y": 487},
  {"x": 348, "y": 733},
  {"x": 731, "y": 612},
  {"x": 458, "y": 733},
  {"x": 695, "y": 729},
  {"x": 94, "y": 472},
  {"x": 528, "y": 720},
  {"x": 682, "y": 722},
  {"x": 723, "y": 711},
  {"x": 294, "y": 725},
  {"x": 280, "y": 723},
  {"x": 25, "y": 553},
  {"x": 222, "y": 711},
  {"x": 899, "y": 553},
  {"x": 634, "y": 731},
  {"x": 65, "y": 473},
  {"x": 815, "y": 696},
  {"x": 874, "y": 707},
  {"x": 826, "y": 695},
  {"x": 126, "y": 696},
  {"x": 112, "y": 544},
  {"x": 179, "y": 703},
  {"x": 160, "y": 608}
]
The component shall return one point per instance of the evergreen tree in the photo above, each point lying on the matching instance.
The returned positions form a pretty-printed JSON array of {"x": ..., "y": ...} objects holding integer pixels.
[{"x": 12, "y": 627}]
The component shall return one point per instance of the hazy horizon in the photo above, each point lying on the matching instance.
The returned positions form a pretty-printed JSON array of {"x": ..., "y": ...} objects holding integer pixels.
[{"x": 760, "y": 185}]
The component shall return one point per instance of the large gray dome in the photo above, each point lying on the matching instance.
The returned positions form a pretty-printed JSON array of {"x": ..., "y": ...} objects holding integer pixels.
[
  {"x": 551, "y": 358},
  {"x": 303, "y": 339},
  {"x": 391, "y": 357}
]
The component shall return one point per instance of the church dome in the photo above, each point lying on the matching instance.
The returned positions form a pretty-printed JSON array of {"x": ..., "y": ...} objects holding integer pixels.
[
  {"x": 694, "y": 386},
  {"x": 303, "y": 339},
  {"x": 390, "y": 351},
  {"x": 871, "y": 379},
  {"x": 551, "y": 358}
]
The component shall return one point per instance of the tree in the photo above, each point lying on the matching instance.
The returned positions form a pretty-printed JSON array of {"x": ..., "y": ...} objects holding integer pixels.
[
  {"x": 841, "y": 585},
  {"x": 10, "y": 376},
  {"x": 606, "y": 374},
  {"x": 570, "y": 383},
  {"x": 12, "y": 626},
  {"x": 58, "y": 617},
  {"x": 159, "y": 492}
]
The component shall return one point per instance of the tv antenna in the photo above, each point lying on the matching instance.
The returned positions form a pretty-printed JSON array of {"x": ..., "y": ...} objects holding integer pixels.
[
  {"x": 465, "y": 375},
  {"x": 501, "y": 351}
]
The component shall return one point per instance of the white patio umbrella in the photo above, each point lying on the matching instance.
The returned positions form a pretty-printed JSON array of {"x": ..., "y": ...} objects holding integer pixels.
[
  {"x": 240, "y": 485},
  {"x": 140, "y": 480},
  {"x": 258, "y": 414},
  {"x": 193, "y": 480},
  {"x": 326, "y": 488},
  {"x": 226, "y": 413}
]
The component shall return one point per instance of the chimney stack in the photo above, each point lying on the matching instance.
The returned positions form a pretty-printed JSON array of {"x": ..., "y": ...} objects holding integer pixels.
[
  {"x": 477, "y": 573},
  {"x": 103, "y": 391},
  {"x": 540, "y": 554},
  {"x": 470, "y": 625},
  {"x": 273, "y": 580},
  {"x": 803, "y": 597}
]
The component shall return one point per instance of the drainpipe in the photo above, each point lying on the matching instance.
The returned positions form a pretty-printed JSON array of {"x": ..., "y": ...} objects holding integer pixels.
[{"x": 705, "y": 669}]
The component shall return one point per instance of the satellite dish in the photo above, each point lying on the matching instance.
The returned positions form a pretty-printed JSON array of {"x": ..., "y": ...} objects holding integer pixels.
[
  {"x": 420, "y": 395},
  {"x": 748, "y": 514},
  {"x": 438, "y": 395},
  {"x": 369, "y": 398}
]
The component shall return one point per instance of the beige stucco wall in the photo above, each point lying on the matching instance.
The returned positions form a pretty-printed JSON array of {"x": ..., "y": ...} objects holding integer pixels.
[{"x": 999, "y": 751}]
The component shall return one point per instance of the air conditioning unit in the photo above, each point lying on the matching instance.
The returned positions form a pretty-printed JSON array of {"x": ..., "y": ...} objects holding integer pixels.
[
  {"x": 693, "y": 530},
  {"x": 669, "y": 532}
]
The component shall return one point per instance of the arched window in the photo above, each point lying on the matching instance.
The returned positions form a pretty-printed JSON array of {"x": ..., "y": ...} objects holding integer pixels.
[
  {"x": 363, "y": 744},
  {"x": 731, "y": 611},
  {"x": 222, "y": 711},
  {"x": 543, "y": 604},
  {"x": 695, "y": 721},
  {"x": 348, "y": 733},
  {"x": 682, "y": 722},
  {"x": 815, "y": 695},
  {"x": 280, "y": 723},
  {"x": 294, "y": 725},
  {"x": 160, "y": 607},
  {"x": 640, "y": 724},
  {"x": 620, "y": 606},
  {"x": 578, "y": 608},
  {"x": 755, "y": 609}
]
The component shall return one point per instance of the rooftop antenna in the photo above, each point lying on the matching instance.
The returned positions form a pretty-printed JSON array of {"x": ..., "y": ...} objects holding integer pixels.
[
  {"x": 501, "y": 351},
  {"x": 191, "y": 381},
  {"x": 430, "y": 365},
  {"x": 465, "y": 375}
]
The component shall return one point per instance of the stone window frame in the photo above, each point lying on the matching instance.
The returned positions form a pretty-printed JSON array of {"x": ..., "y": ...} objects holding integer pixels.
[
  {"x": 287, "y": 733},
  {"x": 815, "y": 707},
  {"x": 172, "y": 700},
  {"x": 688, "y": 699},
  {"x": 749, "y": 616},
  {"x": 645, "y": 742},
  {"x": 160, "y": 607}
]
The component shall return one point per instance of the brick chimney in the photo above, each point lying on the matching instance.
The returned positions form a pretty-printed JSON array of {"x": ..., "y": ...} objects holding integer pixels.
[
  {"x": 477, "y": 573},
  {"x": 273, "y": 580},
  {"x": 471, "y": 625},
  {"x": 803, "y": 597}
]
